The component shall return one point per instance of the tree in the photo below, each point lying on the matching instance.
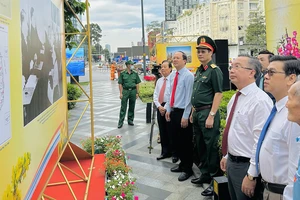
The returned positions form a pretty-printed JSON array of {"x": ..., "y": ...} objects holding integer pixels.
[
  {"x": 256, "y": 32},
  {"x": 153, "y": 26},
  {"x": 95, "y": 33},
  {"x": 79, "y": 8}
]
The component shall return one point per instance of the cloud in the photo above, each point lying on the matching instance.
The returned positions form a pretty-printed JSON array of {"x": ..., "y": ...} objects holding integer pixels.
[{"x": 121, "y": 21}]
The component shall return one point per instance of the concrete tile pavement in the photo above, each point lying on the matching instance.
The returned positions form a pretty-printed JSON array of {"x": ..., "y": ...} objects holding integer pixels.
[{"x": 154, "y": 179}]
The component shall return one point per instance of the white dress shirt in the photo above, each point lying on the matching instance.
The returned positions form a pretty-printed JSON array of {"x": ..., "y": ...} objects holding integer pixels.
[
  {"x": 183, "y": 92},
  {"x": 158, "y": 86},
  {"x": 251, "y": 112}
]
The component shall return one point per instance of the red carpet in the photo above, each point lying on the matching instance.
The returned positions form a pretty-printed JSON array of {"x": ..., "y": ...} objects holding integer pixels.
[{"x": 97, "y": 181}]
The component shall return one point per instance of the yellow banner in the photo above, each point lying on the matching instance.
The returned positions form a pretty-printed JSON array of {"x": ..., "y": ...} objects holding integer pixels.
[
  {"x": 33, "y": 105},
  {"x": 281, "y": 16},
  {"x": 165, "y": 51}
]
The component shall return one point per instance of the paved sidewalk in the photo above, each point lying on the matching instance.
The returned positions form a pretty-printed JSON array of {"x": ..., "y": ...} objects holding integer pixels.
[{"x": 154, "y": 179}]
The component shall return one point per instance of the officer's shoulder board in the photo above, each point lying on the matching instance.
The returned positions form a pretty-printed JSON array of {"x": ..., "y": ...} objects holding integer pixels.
[{"x": 213, "y": 66}]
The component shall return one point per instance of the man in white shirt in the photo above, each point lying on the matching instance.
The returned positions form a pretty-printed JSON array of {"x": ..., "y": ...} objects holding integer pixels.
[
  {"x": 252, "y": 107},
  {"x": 292, "y": 190},
  {"x": 178, "y": 112},
  {"x": 160, "y": 98},
  {"x": 273, "y": 151}
]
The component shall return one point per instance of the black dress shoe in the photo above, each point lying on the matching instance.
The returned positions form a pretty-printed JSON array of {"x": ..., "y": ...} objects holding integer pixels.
[
  {"x": 175, "y": 159},
  {"x": 184, "y": 176},
  {"x": 201, "y": 180},
  {"x": 130, "y": 123},
  {"x": 120, "y": 125},
  {"x": 208, "y": 191},
  {"x": 176, "y": 169},
  {"x": 162, "y": 157}
]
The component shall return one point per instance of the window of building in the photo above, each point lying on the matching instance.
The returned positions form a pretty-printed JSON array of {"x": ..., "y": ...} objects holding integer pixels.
[
  {"x": 252, "y": 6},
  {"x": 240, "y": 6}
]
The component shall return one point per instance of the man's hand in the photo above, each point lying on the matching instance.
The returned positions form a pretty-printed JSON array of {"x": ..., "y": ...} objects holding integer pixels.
[
  {"x": 121, "y": 96},
  {"x": 168, "y": 117},
  {"x": 184, "y": 123},
  {"x": 137, "y": 95},
  {"x": 162, "y": 110},
  {"x": 209, "y": 123},
  {"x": 248, "y": 187},
  {"x": 223, "y": 164}
]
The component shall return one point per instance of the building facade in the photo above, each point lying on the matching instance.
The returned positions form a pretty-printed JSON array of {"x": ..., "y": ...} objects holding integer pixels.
[
  {"x": 173, "y": 8},
  {"x": 220, "y": 19}
]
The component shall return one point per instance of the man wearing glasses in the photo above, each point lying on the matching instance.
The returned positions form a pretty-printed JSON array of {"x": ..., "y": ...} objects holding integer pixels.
[
  {"x": 206, "y": 98},
  {"x": 277, "y": 146},
  {"x": 247, "y": 112}
]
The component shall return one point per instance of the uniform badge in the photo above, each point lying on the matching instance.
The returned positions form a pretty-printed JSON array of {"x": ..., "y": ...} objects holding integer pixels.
[
  {"x": 213, "y": 66},
  {"x": 204, "y": 77},
  {"x": 202, "y": 40},
  {"x": 205, "y": 68}
]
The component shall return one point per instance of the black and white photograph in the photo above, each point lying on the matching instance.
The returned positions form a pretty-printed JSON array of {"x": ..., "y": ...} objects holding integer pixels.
[{"x": 41, "y": 56}]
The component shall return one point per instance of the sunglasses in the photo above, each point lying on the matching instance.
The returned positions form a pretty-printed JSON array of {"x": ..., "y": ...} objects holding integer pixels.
[{"x": 271, "y": 72}]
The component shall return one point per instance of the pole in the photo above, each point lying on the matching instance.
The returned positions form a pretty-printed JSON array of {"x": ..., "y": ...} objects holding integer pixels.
[{"x": 143, "y": 37}]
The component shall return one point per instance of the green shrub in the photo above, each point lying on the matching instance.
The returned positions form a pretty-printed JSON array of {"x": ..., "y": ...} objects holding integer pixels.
[
  {"x": 74, "y": 92},
  {"x": 146, "y": 91}
]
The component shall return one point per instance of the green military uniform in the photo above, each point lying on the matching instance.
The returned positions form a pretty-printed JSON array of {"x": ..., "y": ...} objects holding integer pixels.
[
  {"x": 128, "y": 82},
  {"x": 208, "y": 81}
]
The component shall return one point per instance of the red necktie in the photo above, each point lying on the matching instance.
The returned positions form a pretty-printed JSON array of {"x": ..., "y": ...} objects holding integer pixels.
[
  {"x": 162, "y": 92},
  {"x": 225, "y": 133},
  {"x": 174, "y": 90}
]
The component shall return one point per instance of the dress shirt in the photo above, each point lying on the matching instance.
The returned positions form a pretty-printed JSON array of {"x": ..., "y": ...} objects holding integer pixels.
[
  {"x": 274, "y": 154},
  {"x": 158, "y": 86},
  {"x": 251, "y": 113},
  {"x": 183, "y": 92}
]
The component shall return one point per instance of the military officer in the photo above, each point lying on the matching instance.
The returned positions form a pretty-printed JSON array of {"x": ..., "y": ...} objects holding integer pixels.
[
  {"x": 129, "y": 90},
  {"x": 206, "y": 98}
]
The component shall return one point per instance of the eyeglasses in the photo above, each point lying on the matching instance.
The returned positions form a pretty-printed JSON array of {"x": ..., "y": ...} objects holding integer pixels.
[
  {"x": 272, "y": 72},
  {"x": 238, "y": 67}
]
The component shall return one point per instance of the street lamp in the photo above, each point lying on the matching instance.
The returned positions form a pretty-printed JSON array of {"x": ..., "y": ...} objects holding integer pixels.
[{"x": 143, "y": 37}]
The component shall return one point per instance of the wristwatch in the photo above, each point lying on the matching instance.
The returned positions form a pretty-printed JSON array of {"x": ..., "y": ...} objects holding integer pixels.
[
  {"x": 212, "y": 114},
  {"x": 251, "y": 178}
]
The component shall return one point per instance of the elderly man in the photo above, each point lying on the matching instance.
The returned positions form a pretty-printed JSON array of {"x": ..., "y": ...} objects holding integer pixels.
[
  {"x": 178, "y": 112},
  {"x": 247, "y": 112},
  {"x": 292, "y": 191},
  {"x": 160, "y": 98},
  {"x": 272, "y": 153}
]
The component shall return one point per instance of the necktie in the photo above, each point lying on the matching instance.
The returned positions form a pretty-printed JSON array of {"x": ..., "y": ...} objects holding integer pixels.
[
  {"x": 174, "y": 90},
  {"x": 162, "y": 92},
  {"x": 263, "y": 134},
  {"x": 225, "y": 133}
]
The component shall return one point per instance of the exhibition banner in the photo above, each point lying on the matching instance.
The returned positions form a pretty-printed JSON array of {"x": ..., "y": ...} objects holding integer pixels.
[
  {"x": 165, "y": 51},
  {"x": 33, "y": 105},
  {"x": 281, "y": 17},
  {"x": 77, "y": 65}
]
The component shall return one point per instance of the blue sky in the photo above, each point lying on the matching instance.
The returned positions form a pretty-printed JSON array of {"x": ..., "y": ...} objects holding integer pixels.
[{"x": 120, "y": 20}]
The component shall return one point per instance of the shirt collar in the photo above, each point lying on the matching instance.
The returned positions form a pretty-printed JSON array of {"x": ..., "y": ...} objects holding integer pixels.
[
  {"x": 246, "y": 90},
  {"x": 281, "y": 103}
]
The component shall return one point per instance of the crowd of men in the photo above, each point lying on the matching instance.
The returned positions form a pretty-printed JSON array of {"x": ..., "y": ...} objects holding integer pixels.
[{"x": 261, "y": 139}]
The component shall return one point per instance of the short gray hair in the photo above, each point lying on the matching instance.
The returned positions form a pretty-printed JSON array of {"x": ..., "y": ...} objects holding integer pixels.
[{"x": 253, "y": 64}]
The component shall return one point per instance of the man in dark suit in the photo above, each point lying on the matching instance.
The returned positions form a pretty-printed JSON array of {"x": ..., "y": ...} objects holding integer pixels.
[{"x": 264, "y": 59}]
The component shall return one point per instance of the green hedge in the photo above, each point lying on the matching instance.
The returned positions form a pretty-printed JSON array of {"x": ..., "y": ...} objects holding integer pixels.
[
  {"x": 146, "y": 91},
  {"x": 74, "y": 92}
]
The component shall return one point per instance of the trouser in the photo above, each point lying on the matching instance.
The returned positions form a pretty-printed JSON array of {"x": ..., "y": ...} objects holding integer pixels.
[
  {"x": 236, "y": 172},
  {"x": 268, "y": 195},
  {"x": 206, "y": 140},
  {"x": 183, "y": 140},
  {"x": 128, "y": 95},
  {"x": 165, "y": 134}
]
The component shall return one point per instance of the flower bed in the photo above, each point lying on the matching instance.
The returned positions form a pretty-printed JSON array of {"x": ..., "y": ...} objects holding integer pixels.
[{"x": 120, "y": 184}]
